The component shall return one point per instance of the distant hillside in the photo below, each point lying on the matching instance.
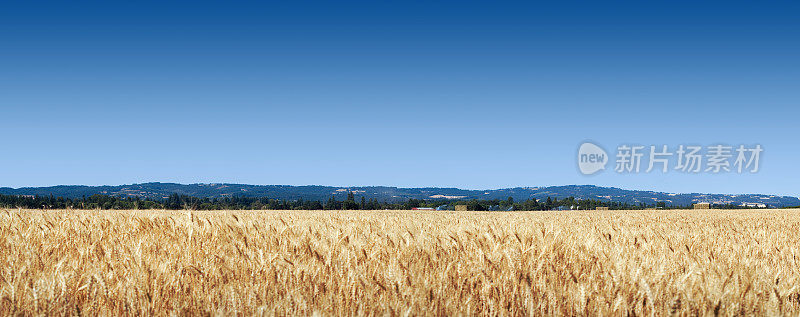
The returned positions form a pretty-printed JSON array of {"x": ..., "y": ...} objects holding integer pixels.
[{"x": 395, "y": 194}]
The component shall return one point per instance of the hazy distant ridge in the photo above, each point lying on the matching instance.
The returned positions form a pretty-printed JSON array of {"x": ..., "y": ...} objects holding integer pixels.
[{"x": 383, "y": 193}]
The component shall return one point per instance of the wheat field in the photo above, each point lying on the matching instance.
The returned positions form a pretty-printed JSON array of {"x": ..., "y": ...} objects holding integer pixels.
[{"x": 689, "y": 262}]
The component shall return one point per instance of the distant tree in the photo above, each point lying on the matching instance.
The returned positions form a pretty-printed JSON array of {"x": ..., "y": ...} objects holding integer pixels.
[
  {"x": 350, "y": 203},
  {"x": 332, "y": 204}
]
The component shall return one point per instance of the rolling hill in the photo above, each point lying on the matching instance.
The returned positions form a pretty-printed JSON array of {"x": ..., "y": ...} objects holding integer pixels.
[{"x": 384, "y": 193}]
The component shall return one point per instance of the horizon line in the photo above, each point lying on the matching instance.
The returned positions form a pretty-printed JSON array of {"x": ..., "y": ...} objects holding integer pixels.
[{"x": 399, "y": 187}]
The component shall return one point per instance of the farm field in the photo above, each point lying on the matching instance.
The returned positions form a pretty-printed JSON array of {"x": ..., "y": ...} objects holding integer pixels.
[{"x": 397, "y": 262}]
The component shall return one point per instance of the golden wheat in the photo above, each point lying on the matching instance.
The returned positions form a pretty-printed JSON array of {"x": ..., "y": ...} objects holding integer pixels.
[{"x": 399, "y": 262}]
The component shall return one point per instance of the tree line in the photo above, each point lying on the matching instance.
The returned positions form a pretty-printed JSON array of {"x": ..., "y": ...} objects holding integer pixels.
[{"x": 185, "y": 202}]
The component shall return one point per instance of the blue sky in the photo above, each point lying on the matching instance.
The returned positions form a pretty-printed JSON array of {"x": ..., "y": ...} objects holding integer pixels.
[{"x": 447, "y": 93}]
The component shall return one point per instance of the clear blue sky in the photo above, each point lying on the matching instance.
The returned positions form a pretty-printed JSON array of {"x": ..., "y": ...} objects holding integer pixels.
[{"x": 439, "y": 93}]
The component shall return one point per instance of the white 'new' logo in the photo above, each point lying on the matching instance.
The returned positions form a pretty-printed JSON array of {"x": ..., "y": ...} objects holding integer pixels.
[{"x": 591, "y": 158}]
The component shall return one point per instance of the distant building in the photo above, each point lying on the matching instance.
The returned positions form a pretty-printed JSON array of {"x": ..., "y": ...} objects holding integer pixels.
[
  {"x": 754, "y": 205},
  {"x": 702, "y": 206},
  {"x": 422, "y": 208}
]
